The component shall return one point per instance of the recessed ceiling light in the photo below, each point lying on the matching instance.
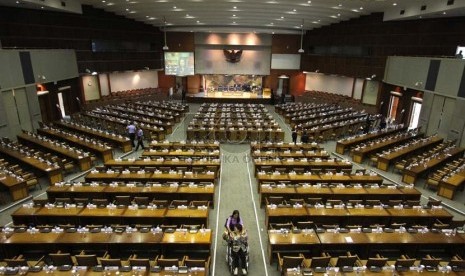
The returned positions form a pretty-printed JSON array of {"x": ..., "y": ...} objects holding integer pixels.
[
  {"x": 17, "y": 2},
  {"x": 394, "y": 4},
  {"x": 340, "y": 5},
  {"x": 234, "y": 22},
  {"x": 444, "y": 13},
  {"x": 187, "y": 15},
  {"x": 174, "y": 7},
  {"x": 198, "y": 21},
  {"x": 272, "y": 32},
  {"x": 42, "y": 7},
  {"x": 271, "y": 23},
  {"x": 282, "y": 17},
  {"x": 309, "y": 2},
  {"x": 338, "y": 14},
  {"x": 361, "y": 8},
  {"x": 103, "y": 1},
  {"x": 234, "y": 15},
  {"x": 147, "y": 16},
  {"x": 127, "y": 9},
  {"x": 294, "y": 10},
  {"x": 234, "y": 7}
]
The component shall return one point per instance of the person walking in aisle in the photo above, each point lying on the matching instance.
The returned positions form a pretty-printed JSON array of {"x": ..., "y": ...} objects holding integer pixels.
[
  {"x": 294, "y": 135},
  {"x": 140, "y": 138},
  {"x": 131, "y": 128}
]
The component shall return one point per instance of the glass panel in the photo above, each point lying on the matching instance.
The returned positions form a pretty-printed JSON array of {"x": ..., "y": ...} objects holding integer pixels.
[{"x": 414, "y": 115}]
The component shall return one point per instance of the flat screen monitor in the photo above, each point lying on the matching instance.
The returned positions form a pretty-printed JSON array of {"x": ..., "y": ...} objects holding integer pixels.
[{"x": 179, "y": 63}]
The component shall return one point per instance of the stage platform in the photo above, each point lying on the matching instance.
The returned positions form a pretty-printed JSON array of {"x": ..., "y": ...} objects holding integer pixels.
[{"x": 228, "y": 97}]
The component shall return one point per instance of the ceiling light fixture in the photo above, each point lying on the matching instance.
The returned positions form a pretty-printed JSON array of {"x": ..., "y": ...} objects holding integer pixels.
[
  {"x": 301, "y": 50},
  {"x": 165, "y": 48}
]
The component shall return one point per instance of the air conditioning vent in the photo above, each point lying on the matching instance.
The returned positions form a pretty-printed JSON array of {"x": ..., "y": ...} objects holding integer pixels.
[
  {"x": 450, "y": 2},
  {"x": 423, "y": 8},
  {"x": 402, "y": 12}
]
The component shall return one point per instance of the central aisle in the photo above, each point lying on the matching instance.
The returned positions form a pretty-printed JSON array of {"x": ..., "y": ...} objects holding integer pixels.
[{"x": 237, "y": 190}]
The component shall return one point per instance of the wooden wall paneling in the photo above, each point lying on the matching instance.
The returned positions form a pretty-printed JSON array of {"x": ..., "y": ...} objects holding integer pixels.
[
  {"x": 166, "y": 81},
  {"x": 193, "y": 84}
]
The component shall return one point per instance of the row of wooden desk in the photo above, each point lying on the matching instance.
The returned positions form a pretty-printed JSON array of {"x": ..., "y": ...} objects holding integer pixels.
[
  {"x": 159, "y": 192},
  {"x": 54, "y": 173},
  {"x": 149, "y": 177},
  {"x": 109, "y": 216},
  {"x": 338, "y": 192},
  {"x": 81, "y": 159},
  {"x": 363, "y": 244},
  {"x": 147, "y": 162},
  {"x": 344, "y": 144},
  {"x": 317, "y": 178},
  {"x": 152, "y": 241},
  {"x": 410, "y": 175},
  {"x": 122, "y": 142},
  {"x": 289, "y": 165},
  {"x": 235, "y": 134},
  {"x": 384, "y": 160},
  {"x": 361, "y": 153},
  {"x": 103, "y": 151},
  {"x": 356, "y": 216}
]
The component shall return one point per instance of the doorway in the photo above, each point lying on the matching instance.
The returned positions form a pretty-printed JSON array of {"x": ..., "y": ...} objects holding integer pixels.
[{"x": 415, "y": 112}]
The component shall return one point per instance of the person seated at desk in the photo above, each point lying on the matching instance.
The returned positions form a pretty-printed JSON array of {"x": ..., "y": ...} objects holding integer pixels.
[{"x": 238, "y": 242}]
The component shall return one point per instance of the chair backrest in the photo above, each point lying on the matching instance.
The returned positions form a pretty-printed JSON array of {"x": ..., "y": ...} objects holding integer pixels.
[
  {"x": 100, "y": 201},
  {"x": 63, "y": 200},
  {"x": 346, "y": 261},
  {"x": 139, "y": 262},
  {"x": 194, "y": 262},
  {"x": 404, "y": 262},
  {"x": 377, "y": 262},
  {"x": 275, "y": 200},
  {"x": 281, "y": 225},
  {"x": 59, "y": 259},
  {"x": 123, "y": 200},
  {"x": 167, "y": 262},
  {"x": 198, "y": 203},
  {"x": 110, "y": 262},
  {"x": 161, "y": 203},
  {"x": 431, "y": 262},
  {"x": 16, "y": 262},
  {"x": 314, "y": 200},
  {"x": 291, "y": 262},
  {"x": 178, "y": 202},
  {"x": 86, "y": 260},
  {"x": 81, "y": 200},
  {"x": 320, "y": 261},
  {"x": 294, "y": 201},
  {"x": 141, "y": 200},
  {"x": 457, "y": 263},
  {"x": 305, "y": 225}
]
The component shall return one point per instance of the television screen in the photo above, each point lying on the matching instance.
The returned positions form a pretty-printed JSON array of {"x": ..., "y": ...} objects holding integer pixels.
[{"x": 179, "y": 63}]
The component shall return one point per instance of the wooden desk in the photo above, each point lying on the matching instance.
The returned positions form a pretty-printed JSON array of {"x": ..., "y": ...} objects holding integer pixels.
[
  {"x": 290, "y": 242},
  {"x": 448, "y": 187},
  {"x": 343, "y": 144},
  {"x": 384, "y": 160},
  {"x": 17, "y": 188},
  {"x": 104, "y": 152},
  {"x": 83, "y": 161},
  {"x": 122, "y": 142},
  {"x": 145, "y": 177},
  {"x": 187, "y": 216},
  {"x": 284, "y": 215},
  {"x": 54, "y": 173},
  {"x": 362, "y": 152},
  {"x": 410, "y": 175}
]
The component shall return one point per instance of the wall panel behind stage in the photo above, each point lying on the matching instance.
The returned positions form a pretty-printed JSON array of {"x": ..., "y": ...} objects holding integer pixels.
[
  {"x": 212, "y": 61},
  {"x": 133, "y": 80}
]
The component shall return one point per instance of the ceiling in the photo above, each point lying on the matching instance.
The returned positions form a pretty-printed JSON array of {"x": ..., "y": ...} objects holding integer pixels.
[{"x": 263, "y": 16}]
